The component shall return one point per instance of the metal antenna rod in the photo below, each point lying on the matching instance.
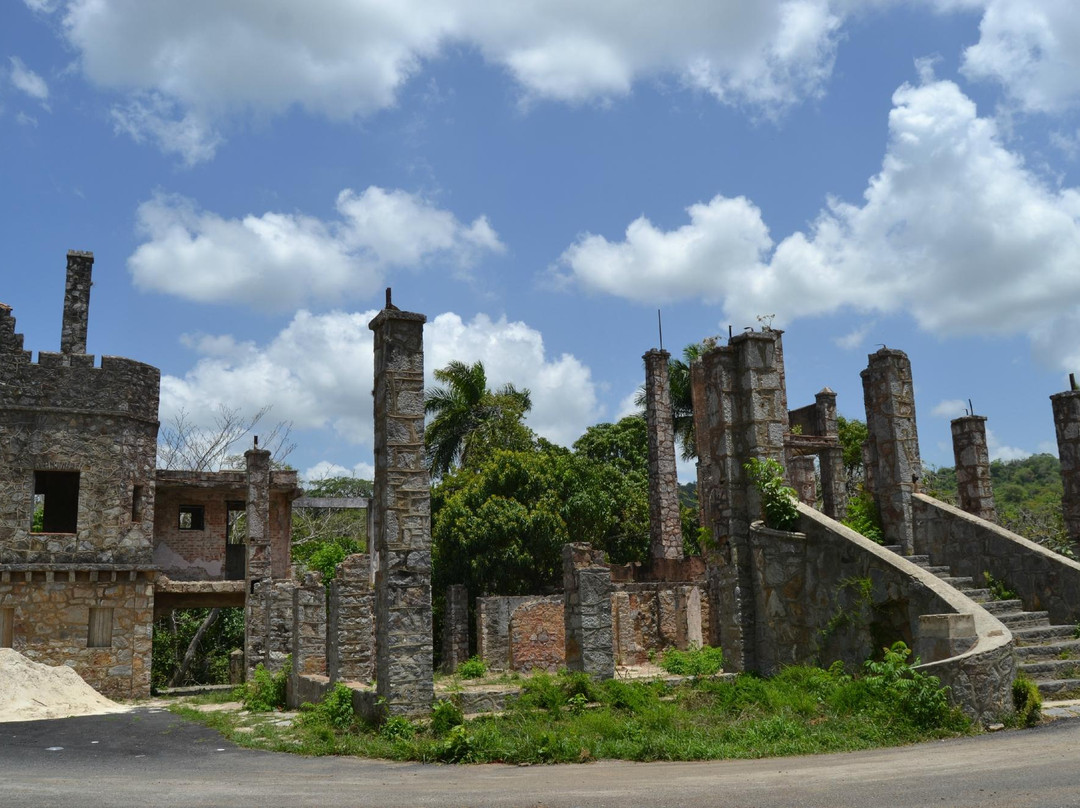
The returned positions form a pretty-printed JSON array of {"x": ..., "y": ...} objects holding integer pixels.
[
  {"x": 660, "y": 327},
  {"x": 971, "y": 408}
]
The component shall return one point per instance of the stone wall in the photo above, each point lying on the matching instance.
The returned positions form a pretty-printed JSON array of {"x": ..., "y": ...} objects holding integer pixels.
[
  {"x": 401, "y": 516},
  {"x": 51, "y": 607},
  {"x": 974, "y": 486},
  {"x": 970, "y": 546},
  {"x": 351, "y": 629},
  {"x": 651, "y": 617},
  {"x": 455, "y": 628},
  {"x": 309, "y": 626},
  {"x": 268, "y": 624},
  {"x": 493, "y": 626},
  {"x": 813, "y": 609},
  {"x": 537, "y": 638}
]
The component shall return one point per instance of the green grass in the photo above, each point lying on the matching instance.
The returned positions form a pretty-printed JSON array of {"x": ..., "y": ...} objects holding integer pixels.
[{"x": 570, "y": 718}]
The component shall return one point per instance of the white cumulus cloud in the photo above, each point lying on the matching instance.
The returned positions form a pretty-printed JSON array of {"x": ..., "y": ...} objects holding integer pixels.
[
  {"x": 206, "y": 61},
  {"x": 954, "y": 229},
  {"x": 318, "y": 373},
  {"x": 278, "y": 260}
]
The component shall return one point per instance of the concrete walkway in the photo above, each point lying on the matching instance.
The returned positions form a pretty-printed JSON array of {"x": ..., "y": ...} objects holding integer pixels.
[{"x": 151, "y": 757}]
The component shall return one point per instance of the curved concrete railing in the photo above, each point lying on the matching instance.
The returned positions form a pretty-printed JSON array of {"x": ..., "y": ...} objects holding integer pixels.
[
  {"x": 960, "y": 642},
  {"x": 1043, "y": 580}
]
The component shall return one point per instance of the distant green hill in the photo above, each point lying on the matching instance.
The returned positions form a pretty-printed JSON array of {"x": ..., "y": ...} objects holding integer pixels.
[{"x": 1027, "y": 494}]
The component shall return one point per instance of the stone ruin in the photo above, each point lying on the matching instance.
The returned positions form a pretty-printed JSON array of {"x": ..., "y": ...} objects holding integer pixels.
[{"x": 118, "y": 541}]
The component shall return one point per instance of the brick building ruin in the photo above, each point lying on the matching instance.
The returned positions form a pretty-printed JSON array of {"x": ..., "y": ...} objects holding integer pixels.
[{"x": 94, "y": 541}]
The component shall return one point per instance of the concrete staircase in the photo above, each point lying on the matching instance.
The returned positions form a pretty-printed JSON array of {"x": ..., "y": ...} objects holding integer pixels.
[{"x": 1050, "y": 655}]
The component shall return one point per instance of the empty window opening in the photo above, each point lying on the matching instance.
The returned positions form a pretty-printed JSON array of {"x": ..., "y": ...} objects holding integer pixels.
[
  {"x": 56, "y": 502},
  {"x": 100, "y": 631},
  {"x": 235, "y": 540},
  {"x": 136, "y": 503},
  {"x": 7, "y": 627},
  {"x": 192, "y": 517}
]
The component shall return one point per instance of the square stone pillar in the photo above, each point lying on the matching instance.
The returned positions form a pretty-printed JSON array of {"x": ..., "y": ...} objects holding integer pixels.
[
  {"x": 258, "y": 565},
  {"x": 455, "y": 648},
  {"x": 830, "y": 461},
  {"x": 740, "y": 411},
  {"x": 309, "y": 627},
  {"x": 76, "y": 302},
  {"x": 1067, "y": 426},
  {"x": 401, "y": 516},
  {"x": 587, "y": 611},
  {"x": 801, "y": 477},
  {"x": 893, "y": 443},
  {"x": 974, "y": 486},
  {"x": 350, "y": 648},
  {"x": 665, "y": 522}
]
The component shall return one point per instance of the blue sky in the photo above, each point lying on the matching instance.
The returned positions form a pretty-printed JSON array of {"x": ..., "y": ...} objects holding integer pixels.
[{"x": 538, "y": 179}]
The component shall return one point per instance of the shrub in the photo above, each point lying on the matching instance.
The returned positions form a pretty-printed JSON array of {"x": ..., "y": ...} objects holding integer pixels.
[
  {"x": 397, "y": 727},
  {"x": 1027, "y": 701},
  {"x": 778, "y": 507},
  {"x": 266, "y": 691},
  {"x": 862, "y": 516},
  {"x": 445, "y": 715},
  {"x": 472, "y": 668},
  {"x": 704, "y": 661}
]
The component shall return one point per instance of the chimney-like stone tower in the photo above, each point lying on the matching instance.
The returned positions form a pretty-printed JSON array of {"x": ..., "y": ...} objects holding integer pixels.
[
  {"x": 1067, "y": 425},
  {"x": 976, "y": 491},
  {"x": 665, "y": 525},
  {"x": 76, "y": 302}
]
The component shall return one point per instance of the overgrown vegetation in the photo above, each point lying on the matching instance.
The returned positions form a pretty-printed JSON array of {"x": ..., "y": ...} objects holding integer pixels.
[
  {"x": 1027, "y": 701},
  {"x": 704, "y": 661},
  {"x": 265, "y": 691},
  {"x": 778, "y": 507},
  {"x": 571, "y": 718},
  {"x": 472, "y": 668},
  {"x": 209, "y": 660},
  {"x": 999, "y": 590},
  {"x": 863, "y": 517}
]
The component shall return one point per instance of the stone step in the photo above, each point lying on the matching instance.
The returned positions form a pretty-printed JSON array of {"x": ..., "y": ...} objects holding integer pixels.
[
  {"x": 1025, "y": 619},
  {"x": 919, "y": 560},
  {"x": 940, "y": 571},
  {"x": 1051, "y": 668},
  {"x": 896, "y": 548},
  {"x": 959, "y": 582},
  {"x": 1038, "y": 635},
  {"x": 1058, "y": 688},
  {"x": 1049, "y": 650},
  {"x": 1003, "y": 606},
  {"x": 977, "y": 595}
]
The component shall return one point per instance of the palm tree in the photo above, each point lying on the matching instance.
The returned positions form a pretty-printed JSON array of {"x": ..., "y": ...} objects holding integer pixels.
[
  {"x": 465, "y": 416},
  {"x": 682, "y": 403}
]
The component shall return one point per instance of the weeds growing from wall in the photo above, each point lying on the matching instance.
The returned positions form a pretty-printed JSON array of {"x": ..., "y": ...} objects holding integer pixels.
[
  {"x": 778, "y": 501},
  {"x": 862, "y": 516}
]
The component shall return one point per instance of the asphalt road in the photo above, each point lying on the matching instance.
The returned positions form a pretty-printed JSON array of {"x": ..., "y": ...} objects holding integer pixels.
[{"x": 152, "y": 758}]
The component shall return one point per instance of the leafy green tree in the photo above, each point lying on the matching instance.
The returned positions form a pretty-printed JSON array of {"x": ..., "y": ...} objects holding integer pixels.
[
  {"x": 468, "y": 419},
  {"x": 853, "y": 434},
  {"x": 323, "y": 537}
]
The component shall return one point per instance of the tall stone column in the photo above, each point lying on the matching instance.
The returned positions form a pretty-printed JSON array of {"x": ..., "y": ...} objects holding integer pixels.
[
  {"x": 665, "y": 524},
  {"x": 258, "y": 570},
  {"x": 455, "y": 648},
  {"x": 889, "y": 396},
  {"x": 76, "y": 302},
  {"x": 831, "y": 461},
  {"x": 401, "y": 516},
  {"x": 975, "y": 489},
  {"x": 1067, "y": 425},
  {"x": 740, "y": 411}
]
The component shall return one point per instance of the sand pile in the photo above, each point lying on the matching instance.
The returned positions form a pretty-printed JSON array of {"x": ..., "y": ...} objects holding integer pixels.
[{"x": 30, "y": 691}]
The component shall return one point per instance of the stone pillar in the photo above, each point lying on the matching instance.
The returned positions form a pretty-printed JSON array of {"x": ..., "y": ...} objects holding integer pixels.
[
  {"x": 455, "y": 648},
  {"x": 401, "y": 516},
  {"x": 889, "y": 396},
  {"x": 587, "y": 611},
  {"x": 350, "y": 651},
  {"x": 974, "y": 487},
  {"x": 76, "y": 302},
  {"x": 1067, "y": 425},
  {"x": 309, "y": 627},
  {"x": 801, "y": 476},
  {"x": 665, "y": 523},
  {"x": 830, "y": 461},
  {"x": 258, "y": 574},
  {"x": 740, "y": 411}
]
